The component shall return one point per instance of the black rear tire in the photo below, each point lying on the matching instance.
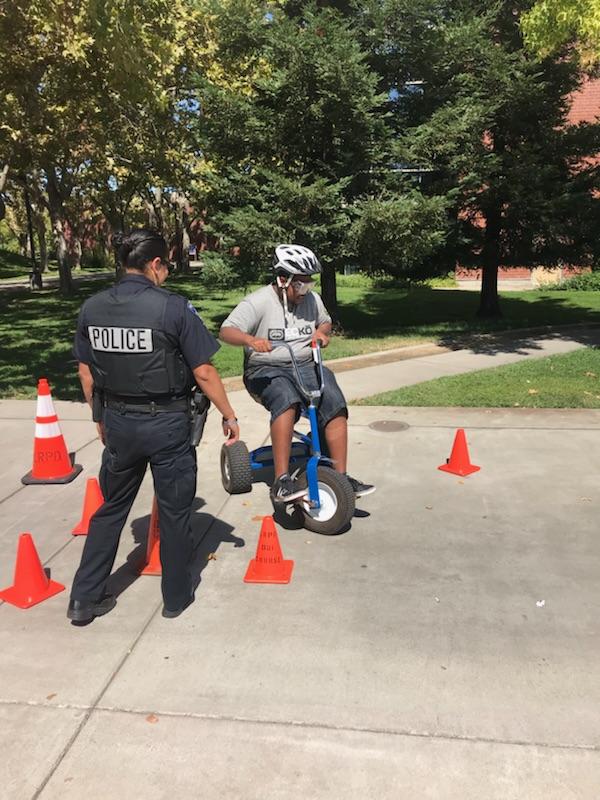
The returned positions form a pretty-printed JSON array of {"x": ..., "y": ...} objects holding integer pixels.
[
  {"x": 236, "y": 472},
  {"x": 337, "y": 503}
]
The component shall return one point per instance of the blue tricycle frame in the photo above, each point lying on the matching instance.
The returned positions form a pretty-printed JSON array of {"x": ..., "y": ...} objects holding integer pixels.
[
  {"x": 312, "y": 442},
  {"x": 328, "y": 505}
]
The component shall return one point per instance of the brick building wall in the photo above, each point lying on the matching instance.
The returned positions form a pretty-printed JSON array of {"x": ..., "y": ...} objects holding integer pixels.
[{"x": 585, "y": 107}]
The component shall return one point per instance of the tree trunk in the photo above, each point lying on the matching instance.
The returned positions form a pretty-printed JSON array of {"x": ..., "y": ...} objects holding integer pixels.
[
  {"x": 329, "y": 290},
  {"x": 23, "y": 244},
  {"x": 39, "y": 205},
  {"x": 489, "y": 305},
  {"x": 182, "y": 232},
  {"x": 40, "y": 226},
  {"x": 153, "y": 203},
  {"x": 35, "y": 277},
  {"x": 59, "y": 224},
  {"x": 75, "y": 252},
  {"x": 3, "y": 179},
  {"x": 150, "y": 214},
  {"x": 185, "y": 244}
]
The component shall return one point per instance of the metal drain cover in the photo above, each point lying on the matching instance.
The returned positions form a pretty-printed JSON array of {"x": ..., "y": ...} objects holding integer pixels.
[{"x": 389, "y": 425}]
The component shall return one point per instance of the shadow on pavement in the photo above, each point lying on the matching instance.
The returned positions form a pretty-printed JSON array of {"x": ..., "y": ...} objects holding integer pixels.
[
  {"x": 519, "y": 343},
  {"x": 208, "y": 533}
]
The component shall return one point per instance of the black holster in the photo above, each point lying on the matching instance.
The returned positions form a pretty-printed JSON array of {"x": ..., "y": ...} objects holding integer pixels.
[
  {"x": 97, "y": 405},
  {"x": 200, "y": 407}
]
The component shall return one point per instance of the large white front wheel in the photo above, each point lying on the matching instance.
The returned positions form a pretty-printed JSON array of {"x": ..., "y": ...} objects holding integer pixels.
[{"x": 336, "y": 503}]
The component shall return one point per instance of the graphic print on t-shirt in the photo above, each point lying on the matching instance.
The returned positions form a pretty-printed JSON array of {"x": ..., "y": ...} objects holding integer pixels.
[{"x": 289, "y": 334}]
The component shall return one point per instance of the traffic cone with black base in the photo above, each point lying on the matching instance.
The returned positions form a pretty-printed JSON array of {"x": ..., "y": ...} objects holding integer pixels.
[
  {"x": 152, "y": 565},
  {"x": 31, "y": 584},
  {"x": 459, "y": 462},
  {"x": 51, "y": 461},
  {"x": 91, "y": 503},
  {"x": 269, "y": 566}
]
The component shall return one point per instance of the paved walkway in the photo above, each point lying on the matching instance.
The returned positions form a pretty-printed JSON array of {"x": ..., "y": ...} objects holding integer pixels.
[{"x": 444, "y": 647}]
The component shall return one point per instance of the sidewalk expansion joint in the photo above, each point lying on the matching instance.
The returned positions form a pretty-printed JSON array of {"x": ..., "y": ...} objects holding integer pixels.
[
  {"x": 89, "y": 709},
  {"x": 96, "y": 703},
  {"x": 216, "y": 718}
]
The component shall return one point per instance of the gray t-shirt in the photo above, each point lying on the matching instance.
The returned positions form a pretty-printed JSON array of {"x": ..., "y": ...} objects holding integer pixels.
[{"x": 261, "y": 314}]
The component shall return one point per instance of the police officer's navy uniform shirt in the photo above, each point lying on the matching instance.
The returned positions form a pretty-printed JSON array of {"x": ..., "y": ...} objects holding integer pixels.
[{"x": 182, "y": 322}]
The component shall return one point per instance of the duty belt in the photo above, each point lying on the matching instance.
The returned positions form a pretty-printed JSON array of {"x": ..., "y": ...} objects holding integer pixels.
[{"x": 142, "y": 406}]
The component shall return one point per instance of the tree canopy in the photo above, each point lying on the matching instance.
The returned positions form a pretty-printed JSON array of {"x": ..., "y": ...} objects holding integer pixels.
[
  {"x": 387, "y": 134},
  {"x": 551, "y": 24}
]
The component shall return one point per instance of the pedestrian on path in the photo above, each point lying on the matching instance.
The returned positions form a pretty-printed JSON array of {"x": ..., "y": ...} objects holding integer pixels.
[{"x": 140, "y": 350}]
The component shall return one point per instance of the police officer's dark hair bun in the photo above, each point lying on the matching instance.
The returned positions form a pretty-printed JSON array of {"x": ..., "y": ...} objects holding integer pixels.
[{"x": 139, "y": 247}]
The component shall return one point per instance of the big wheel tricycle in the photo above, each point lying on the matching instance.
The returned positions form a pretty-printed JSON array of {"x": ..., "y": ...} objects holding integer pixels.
[{"x": 327, "y": 507}]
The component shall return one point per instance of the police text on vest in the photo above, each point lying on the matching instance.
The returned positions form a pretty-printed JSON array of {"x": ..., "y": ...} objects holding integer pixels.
[{"x": 121, "y": 340}]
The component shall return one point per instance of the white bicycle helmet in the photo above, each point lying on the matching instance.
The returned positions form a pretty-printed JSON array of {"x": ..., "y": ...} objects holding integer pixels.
[{"x": 295, "y": 260}]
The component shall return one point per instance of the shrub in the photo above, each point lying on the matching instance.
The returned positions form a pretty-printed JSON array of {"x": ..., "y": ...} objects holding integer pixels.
[
  {"x": 586, "y": 282},
  {"x": 447, "y": 280},
  {"x": 399, "y": 235},
  {"x": 98, "y": 258},
  {"x": 358, "y": 280},
  {"x": 218, "y": 271}
]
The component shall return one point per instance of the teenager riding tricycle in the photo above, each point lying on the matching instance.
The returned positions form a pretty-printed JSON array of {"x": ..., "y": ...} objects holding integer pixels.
[{"x": 285, "y": 380}]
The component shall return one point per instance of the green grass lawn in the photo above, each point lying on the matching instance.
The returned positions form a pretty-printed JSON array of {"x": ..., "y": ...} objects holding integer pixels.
[
  {"x": 36, "y": 330},
  {"x": 563, "y": 381},
  {"x": 14, "y": 267}
]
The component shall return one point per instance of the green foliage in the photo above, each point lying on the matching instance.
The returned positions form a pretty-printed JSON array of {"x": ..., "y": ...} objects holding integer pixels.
[
  {"x": 91, "y": 109},
  {"x": 273, "y": 208},
  {"x": 446, "y": 281},
  {"x": 7, "y": 237},
  {"x": 98, "y": 258},
  {"x": 358, "y": 280},
  {"x": 219, "y": 272},
  {"x": 490, "y": 132},
  {"x": 281, "y": 126},
  {"x": 552, "y": 24},
  {"x": 289, "y": 154},
  {"x": 399, "y": 235},
  {"x": 586, "y": 282}
]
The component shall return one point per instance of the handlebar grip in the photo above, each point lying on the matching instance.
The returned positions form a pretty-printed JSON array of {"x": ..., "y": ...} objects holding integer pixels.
[{"x": 316, "y": 351}]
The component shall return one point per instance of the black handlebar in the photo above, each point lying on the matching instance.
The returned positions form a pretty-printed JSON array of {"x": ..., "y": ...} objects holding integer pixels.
[{"x": 317, "y": 358}]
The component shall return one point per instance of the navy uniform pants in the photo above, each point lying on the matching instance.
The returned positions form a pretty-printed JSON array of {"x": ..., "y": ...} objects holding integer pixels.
[{"x": 133, "y": 441}]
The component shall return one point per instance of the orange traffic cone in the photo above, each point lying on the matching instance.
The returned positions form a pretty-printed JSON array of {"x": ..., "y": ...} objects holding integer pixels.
[
  {"x": 152, "y": 565},
  {"x": 51, "y": 462},
  {"x": 31, "y": 584},
  {"x": 91, "y": 503},
  {"x": 268, "y": 566},
  {"x": 459, "y": 462}
]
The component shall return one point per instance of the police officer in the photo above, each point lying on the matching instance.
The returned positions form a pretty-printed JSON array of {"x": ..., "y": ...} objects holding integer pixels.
[{"x": 140, "y": 351}]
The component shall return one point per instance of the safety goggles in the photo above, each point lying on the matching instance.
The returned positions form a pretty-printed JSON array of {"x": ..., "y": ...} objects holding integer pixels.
[{"x": 302, "y": 287}]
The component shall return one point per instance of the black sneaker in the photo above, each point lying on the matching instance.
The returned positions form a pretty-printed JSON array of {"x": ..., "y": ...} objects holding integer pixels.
[
  {"x": 286, "y": 490},
  {"x": 85, "y": 611},
  {"x": 359, "y": 488},
  {"x": 171, "y": 613}
]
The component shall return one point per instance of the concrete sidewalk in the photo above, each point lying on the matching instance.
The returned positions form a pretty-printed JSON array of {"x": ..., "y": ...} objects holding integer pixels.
[{"x": 444, "y": 647}]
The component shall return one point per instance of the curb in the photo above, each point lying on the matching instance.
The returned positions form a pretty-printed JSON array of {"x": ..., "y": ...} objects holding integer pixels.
[{"x": 461, "y": 342}]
